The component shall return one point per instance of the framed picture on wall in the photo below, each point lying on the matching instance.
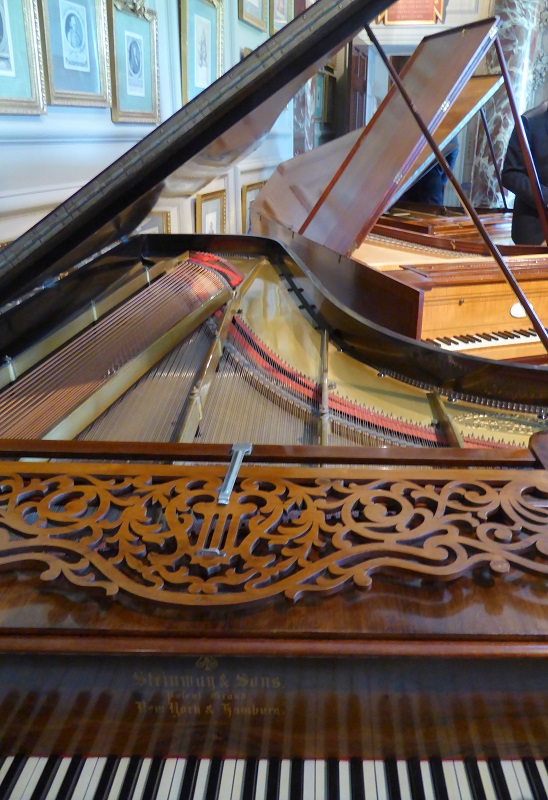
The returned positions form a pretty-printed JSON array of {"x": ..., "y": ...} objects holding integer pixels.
[
  {"x": 156, "y": 222},
  {"x": 211, "y": 212},
  {"x": 201, "y": 45},
  {"x": 281, "y": 12},
  {"x": 133, "y": 37},
  {"x": 249, "y": 193},
  {"x": 76, "y": 52},
  {"x": 253, "y": 12},
  {"x": 21, "y": 68}
]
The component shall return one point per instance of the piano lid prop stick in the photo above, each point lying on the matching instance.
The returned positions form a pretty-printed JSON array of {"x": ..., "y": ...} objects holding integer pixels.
[
  {"x": 493, "y": 157},
  {"x": 493, "y": 249}
]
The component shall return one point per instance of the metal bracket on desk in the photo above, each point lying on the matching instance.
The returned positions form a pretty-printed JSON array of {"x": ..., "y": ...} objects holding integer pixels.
[{"x": 237, "y": 456}]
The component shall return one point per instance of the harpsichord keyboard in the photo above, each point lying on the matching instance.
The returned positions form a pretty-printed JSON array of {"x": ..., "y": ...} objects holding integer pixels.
[
  {"x": 133, "y": 778},
  {"x": 476, "y": 341}
]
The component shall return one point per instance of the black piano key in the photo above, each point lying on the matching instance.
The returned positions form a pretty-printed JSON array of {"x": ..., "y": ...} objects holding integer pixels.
[
  {"x": 213, "y": 779},
  {"x": 130, "y": 778},
  {"x": 189, "y": 779},
  {"x": 250, "y": 779},
  {"x": 12, "y": 775},
  {"x": 46, "y": 778},
  {"x": 438, "y": 779},
  {"x": 499, "y": 781},
  {"x": 150, "y": 792},
  {"x": 474, "y": 779},
  {"x": 415, "y": 779},
  {"x": 332, "y": 789},
  {"x": 392, "y": 780},
  {"x": 296, "y": 784},
  {"x": 357, "y": 787},
  {"x": 273, "y": 778},
  {"x": 71, "y": 777},
  {"x": 534, "y": 779},
  {"x": 107, "y": 776}
]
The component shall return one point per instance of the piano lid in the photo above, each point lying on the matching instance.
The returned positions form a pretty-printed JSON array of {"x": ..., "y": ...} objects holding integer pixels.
[
  {"x": 220, "y": 125},
  {"x": 334, "y": 194}
]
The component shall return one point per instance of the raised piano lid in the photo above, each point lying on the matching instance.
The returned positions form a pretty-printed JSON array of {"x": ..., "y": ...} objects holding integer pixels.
[
  {"x": 219, "y": 126},
  {"x": 334, "y": 194}
]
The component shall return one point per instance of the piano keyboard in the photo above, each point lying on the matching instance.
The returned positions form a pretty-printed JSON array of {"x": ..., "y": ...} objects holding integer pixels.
[
  {"x": 133, "y": 778},
  {"x": 482, "y": 340}
]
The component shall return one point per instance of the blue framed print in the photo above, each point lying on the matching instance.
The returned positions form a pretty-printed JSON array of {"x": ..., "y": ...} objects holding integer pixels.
[
  {"x": 76, "y": 52},
  {"x": 254, "y": 12},
  {"x": 133, "y": 35},
  {"x": 201, "y": 45},
  {"x": 22, "y": 88},
  {"x": 211, "y": 212},
  {"x": 281, "y": 12}
]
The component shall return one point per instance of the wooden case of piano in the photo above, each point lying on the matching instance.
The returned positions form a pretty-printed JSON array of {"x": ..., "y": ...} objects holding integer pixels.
[{"x": 344, "y": 602}]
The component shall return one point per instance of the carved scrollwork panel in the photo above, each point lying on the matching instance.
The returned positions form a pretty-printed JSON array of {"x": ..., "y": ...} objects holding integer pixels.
[{"x": 160, "y": 534}]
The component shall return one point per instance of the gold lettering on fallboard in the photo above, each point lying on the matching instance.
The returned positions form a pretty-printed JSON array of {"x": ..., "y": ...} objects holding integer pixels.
[
  {"x": 185, "y": 681},
  {"x": 222, "y": 695}
]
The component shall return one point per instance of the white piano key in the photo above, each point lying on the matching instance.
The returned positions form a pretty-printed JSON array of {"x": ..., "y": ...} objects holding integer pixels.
[
  {"x": 262, "y": 777},
  {"x": 6, "y": 764},
  {"x": 33, "y": 766},
  {"x": 344, "y": 780},
  {"x": 514, "y": 788},
  {"x": 521, "y": 778},
  {"x": 172, "y": 778},
  {"x": 53, "y": 792},
  {"x": 380, "y": 779},
  {"x": 238, "y": 782},
  {"x": 369, "y": 780},
  {"x": 462, "y": 780},
  {"x": 320, "y": 780},
  {"x": 201, "y": 779},
  {"x": 285, "y": 778},
  {"x": 227, "y": 778},
  {"x": 403, "y": 778},
  {"x": 427, "y": 784},
  {"x": 84, "y": 778},
  {"x": 95, "y": 778},
  {"x": 118, "y": 780},
  {"x": 486, "y": 781},
  {"x": 309, "y": 780},
  {"x": 543, "y": 772},
  {"x": 141, "y": 779},
  {"x": 450, "y": 779}
]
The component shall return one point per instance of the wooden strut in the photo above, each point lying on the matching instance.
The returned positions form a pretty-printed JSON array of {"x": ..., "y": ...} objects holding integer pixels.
[
  {"x": 168, "y": 452},
  {"x": 493, "y": 157},
  {"x": 493, "y": 249}
]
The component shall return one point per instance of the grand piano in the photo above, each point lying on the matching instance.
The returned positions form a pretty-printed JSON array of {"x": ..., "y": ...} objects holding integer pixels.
[{"x": 253, "y": 543}]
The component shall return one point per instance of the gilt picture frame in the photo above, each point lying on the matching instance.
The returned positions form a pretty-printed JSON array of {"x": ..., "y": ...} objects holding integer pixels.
[
  {"x": 254, "y": 12},
  {"x": 22, "y": 82},
  {"x": 133, "y": 38},
  {"x": 201, "y": 45},
  {"x": 74, "y": 33},
  {"x": 156, "y": 222},
  {"x": 281, "y": 12},
  {"x": 249, "y": 193},
  {"x": 211, "y": 212}
]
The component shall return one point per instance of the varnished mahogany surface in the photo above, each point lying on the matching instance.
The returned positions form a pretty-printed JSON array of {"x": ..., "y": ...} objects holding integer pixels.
[
  {"x": 409, "y": 668},
  {"x": 153, "y": 691}
]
